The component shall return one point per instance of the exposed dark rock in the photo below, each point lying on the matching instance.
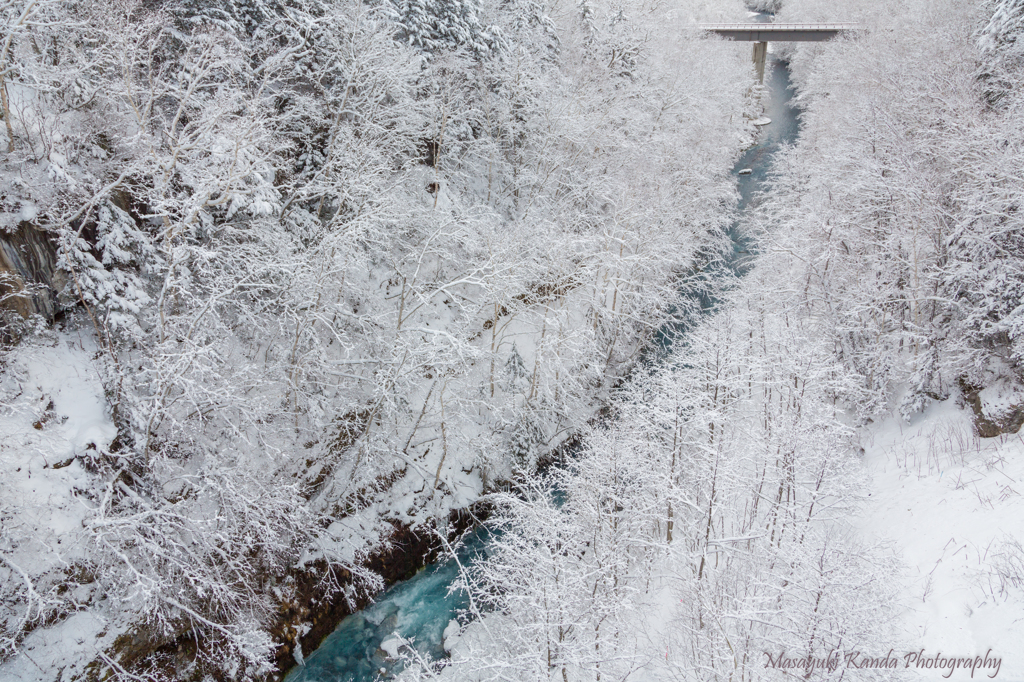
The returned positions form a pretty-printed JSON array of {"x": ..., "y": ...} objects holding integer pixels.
[
  {"x": 28, "y": 264},
  {"x": 991, "y": 425},
  {"x": 142, "y": 646}
]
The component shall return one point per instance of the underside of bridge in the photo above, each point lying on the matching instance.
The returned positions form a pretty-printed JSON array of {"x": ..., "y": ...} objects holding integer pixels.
[{"x": 762, "y": 34}]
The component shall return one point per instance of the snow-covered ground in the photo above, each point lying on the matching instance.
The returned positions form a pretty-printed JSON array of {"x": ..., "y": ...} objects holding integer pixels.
[
  {"x": 950, "y": 505},
  {"x": 54, "y": 416}
]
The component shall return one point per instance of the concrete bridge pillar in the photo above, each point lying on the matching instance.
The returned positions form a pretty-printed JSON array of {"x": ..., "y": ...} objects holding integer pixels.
[{"x": 760, "y": 55}]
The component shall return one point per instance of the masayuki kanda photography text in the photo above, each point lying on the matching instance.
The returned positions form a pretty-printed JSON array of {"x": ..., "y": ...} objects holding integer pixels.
[{"x": 921, "y": 660}]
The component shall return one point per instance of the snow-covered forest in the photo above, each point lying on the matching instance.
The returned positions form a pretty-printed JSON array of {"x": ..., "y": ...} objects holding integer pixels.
[
  {"x": 718, "y": 517},
  {"x": 286, "y": 284},
  {"x": 317, "y": 271}
]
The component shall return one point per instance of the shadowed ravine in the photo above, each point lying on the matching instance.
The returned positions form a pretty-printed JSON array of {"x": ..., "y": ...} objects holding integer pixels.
[{"x": 420, "y": 608}]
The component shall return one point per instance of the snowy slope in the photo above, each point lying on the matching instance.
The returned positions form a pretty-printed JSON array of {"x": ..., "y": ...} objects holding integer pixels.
[
  {"x": 53, "y": 417},
  {"x": 950, "y": 504}
]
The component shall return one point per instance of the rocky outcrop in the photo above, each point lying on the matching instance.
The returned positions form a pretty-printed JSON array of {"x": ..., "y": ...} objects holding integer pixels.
[
  {"x": 28, "y": 270},
  {"x": 995, "y": 417}
]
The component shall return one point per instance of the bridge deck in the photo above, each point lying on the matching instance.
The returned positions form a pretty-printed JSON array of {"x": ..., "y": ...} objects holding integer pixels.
[{"x": 762, "y": 33}]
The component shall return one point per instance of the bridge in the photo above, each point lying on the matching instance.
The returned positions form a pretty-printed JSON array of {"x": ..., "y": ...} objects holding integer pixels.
[{"x": 761, "y": 34}]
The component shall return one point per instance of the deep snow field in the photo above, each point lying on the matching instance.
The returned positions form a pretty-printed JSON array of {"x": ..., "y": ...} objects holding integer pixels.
[{"x": 949, "y": 504}]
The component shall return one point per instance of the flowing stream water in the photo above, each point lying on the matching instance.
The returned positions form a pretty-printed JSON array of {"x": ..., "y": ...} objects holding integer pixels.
[{"x": 421, "y": 607}]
